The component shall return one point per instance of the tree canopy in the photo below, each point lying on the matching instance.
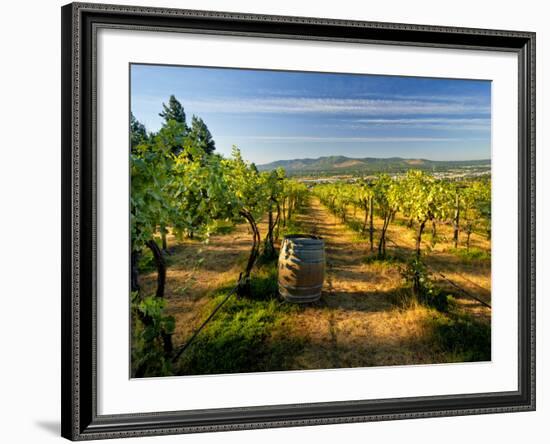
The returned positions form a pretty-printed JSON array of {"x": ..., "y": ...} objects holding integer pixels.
[
  {"x": 173, "y": 111},
  {"x": 138, "y": 133},
  {"x": 200, "y": 135}
]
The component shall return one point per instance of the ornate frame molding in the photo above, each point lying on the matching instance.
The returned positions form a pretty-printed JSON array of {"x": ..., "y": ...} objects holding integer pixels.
[{"x": 80, "y": 22}]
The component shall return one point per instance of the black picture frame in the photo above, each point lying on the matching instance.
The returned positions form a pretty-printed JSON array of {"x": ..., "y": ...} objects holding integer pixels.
[{"x": 80, "y": 22}]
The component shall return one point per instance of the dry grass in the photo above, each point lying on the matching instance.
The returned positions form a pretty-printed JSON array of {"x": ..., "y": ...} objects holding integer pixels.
[
  {"x": 359, "y": 320},
  {"x": 195, "y": 270}
]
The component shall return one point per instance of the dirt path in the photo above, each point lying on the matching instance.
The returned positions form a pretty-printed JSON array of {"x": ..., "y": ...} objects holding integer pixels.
[
  {"x": 356, "y": 322},
  {"x": 351, "y": 283}
]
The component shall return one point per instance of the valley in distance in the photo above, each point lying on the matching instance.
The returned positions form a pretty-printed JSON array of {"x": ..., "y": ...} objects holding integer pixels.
[{"x": 331, "y": 168}]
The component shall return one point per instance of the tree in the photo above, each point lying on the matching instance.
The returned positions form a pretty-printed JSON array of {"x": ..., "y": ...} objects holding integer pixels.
[
  {"x": 456, "y": 218},
  {"x": 149, "y": 208},
  {"x": 425, "y": 199},
  {"x": 275, "y": 186},
  {"x": 172, "y": 141},
  {"x": 364, "y": 199},
  {"x": 336, "y": 197},
  {"x": 386, "y": 195},
  {"x": 344, "y": 198},
  {"x": 246, "y": 195},
  {"x": 138, "y": 133},
  {"x": 172, "y": 134},
  {"x": 185, "y": 191},
  {"x": 293, "y": 195},
  {"x": 484, "y": 204},
  {"x": 201, "y": 136},
  {"x": 173, "y": 111},
  {"x": 199, "y": 195},
  {"x": 177, "y": 183},
  {"x": 476, "y": 202}
]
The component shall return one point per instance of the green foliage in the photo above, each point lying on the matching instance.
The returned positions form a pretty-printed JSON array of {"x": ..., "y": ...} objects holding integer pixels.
[
  {"x": 336, "y": 197},
  {"x": 475, "y": 201},
  {"x": 248, "y": 335},
  {"x": 471, "y": 255},
  {"x": 149, "y": 205},
  {"x": 173, "y": 111},
  {"x": 222, "y": 227},
  {"x": 274, "y": 183},
  {"x": 418, "y": 195},
  {"x": 388, "y": 260},
  {"x": 245, "y": 188},
  {"x": 425, "y": 198},
  {"x": 293, "y": 193},
  {"x": 264, "y": 284},
  {"x": 196, "y": 193},
  {"x": 383, "y": 194},
  {"x": 178, "y": 182},
  {"x": 138, "y": 133},
  {"x": 171, "y": 138},
  {"x": 146, "y": 262},
  {"x": 465, "y": 337},
  {"x": 418, "y": 279},
  {"x": 150, "y": 325},
  {"x": 200, "y": 135},
  {"x": 356, "y": 226},
  {"x": 387, "y": 194},
  {"x": 293, "y": 226},
  {"x": 362, "y": 200}
]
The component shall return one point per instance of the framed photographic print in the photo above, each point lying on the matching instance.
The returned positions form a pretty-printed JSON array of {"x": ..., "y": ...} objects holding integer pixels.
[{"x": 279, "y": 221}]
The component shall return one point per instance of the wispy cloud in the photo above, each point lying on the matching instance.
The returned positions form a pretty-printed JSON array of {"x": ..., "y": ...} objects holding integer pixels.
[
  {"x": 316, "y": 139},
  {"x": 446, "y": 123},
  {"x": 301, "y": 105},
  {"x": 427, "y": 97},
  {"x": 442, "y": 120}
]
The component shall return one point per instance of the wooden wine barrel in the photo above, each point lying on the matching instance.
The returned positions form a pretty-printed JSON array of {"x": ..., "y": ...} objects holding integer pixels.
[{"x": 301, "y": 268}]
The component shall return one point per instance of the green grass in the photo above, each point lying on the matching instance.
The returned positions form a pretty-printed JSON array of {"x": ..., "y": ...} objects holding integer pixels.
[
  {"x": 389, "y": 260},
  {"x": 471, "y": 255},
  {"x": 462, "y": 336},
  {"x": 292, "y": 227},
  {"x": 358, "y": 235},
  {"x": 403, "y": 223},
  {"x": 263, "y": 283},
  {"x": 247, "y": 334},
  {"x": 356, "y": 225},
  {"x": 223, "y": 227}
]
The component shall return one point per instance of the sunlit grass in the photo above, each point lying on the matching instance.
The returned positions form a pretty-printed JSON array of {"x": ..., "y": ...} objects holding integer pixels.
[
  {"x": 471, "y": 255},
  {"x": 249, "y": 334}
]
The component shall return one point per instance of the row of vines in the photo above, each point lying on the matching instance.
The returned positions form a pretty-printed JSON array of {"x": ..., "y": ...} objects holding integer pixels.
[
  {"x": 419, "y": 197},
  {"x": 422, "y": 200},
  {"x": 179, "y": 183}
]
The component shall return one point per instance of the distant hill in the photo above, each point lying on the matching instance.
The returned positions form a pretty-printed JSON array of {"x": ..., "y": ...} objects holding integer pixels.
[{"x": 367, "y": 165}]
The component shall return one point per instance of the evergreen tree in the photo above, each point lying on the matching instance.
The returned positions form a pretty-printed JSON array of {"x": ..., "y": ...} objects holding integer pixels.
[
  {"x": 174, "y": 111},
  {"x": 138, "y": 133},
  {"x": 200, "y": 135}
]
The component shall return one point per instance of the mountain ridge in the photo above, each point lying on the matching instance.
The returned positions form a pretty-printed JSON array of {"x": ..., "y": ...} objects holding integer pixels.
[{"x": 341, "y": 164}]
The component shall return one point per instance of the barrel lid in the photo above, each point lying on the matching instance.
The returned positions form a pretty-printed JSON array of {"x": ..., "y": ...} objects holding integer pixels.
[
  {"x": 302, "y": 236},
  {"x": 304, "y": 240}
]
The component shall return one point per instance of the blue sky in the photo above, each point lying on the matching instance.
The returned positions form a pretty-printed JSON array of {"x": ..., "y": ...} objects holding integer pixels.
[{"x": 273, "y": 115}]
